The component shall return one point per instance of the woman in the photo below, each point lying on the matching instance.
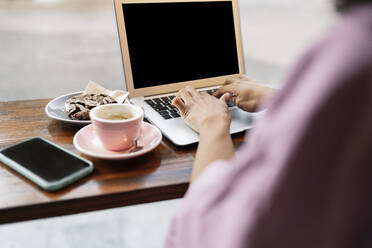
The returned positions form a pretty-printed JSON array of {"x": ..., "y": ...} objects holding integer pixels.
[{"x": 302, "y": 178}]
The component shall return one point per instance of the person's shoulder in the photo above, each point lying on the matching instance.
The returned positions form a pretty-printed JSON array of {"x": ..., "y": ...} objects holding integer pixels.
[
  {"x": 346, "y": 48},
  {"x": 357, "y": 24},
  {"x": 346, "y": 52},
  {"x": 351, "y": 40},
  {"x": 360, "y": 15},
  {"x": 341, "y": 59}
]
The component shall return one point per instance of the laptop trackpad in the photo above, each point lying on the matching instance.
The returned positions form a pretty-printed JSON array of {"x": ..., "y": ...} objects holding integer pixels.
[
  {"x": 180, "y": 134},
  {"x": 240, "y": 120}
]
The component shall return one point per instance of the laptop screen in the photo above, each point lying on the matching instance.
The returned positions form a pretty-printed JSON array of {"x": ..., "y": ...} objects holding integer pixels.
[{"x": 178, "y": 42}]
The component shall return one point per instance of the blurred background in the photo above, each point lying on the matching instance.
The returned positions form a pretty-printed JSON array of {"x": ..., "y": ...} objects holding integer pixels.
[{"x": 53, "y": 47}]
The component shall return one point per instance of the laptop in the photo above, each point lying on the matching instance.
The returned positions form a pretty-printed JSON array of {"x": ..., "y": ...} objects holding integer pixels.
[{"x": 169, "y": 44}]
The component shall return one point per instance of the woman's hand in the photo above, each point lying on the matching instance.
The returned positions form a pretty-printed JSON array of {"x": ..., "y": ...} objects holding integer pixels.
[
  {"x": 210, "y": 117},
  {"x": 245, "y": 93},
  {"x": 201, "y": 111}
]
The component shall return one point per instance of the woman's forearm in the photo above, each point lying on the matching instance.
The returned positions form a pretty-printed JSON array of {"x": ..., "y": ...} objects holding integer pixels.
[{"x": 215, "y": 144}]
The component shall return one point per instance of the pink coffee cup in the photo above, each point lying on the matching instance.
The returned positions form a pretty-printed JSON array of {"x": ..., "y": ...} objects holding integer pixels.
[{"x": 117, "y": 125}]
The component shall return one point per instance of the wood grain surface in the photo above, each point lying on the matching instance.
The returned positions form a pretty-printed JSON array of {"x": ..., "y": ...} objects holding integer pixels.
[{"x": 159, "y": 175}]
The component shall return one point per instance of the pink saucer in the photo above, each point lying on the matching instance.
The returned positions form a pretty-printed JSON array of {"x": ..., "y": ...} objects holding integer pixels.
[{"x": 87, "y": 142}]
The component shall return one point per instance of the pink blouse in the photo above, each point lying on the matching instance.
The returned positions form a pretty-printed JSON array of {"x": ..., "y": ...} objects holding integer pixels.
[{"x": 303, "y": 178}]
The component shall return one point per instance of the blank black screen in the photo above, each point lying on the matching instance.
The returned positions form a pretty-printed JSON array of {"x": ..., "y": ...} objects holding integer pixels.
[
  {"x": 177, "y": 42},
  {"x": 44, "y": 160}
]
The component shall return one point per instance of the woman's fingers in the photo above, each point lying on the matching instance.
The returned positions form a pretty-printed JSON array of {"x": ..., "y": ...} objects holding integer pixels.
[
  {"x": 184, "y": 95},
  {"x": 225, "y": 98},
  {"x": 230, "y": 88},
  {"x": 177, "y": 101},
  {"x": 229, "y": 81},
  {"x": 244, "y": 77},
  {"x": 188, "y": 94},
  {"x": 192, "y": 91}
]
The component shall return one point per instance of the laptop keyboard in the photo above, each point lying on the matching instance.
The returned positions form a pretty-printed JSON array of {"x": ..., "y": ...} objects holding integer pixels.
[{"x": 163, "y": 105}]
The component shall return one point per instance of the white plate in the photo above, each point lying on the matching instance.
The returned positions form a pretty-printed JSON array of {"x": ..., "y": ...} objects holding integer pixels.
[
  {"x": 87, "y": 142},
  {"x": 55, "y": 109}
]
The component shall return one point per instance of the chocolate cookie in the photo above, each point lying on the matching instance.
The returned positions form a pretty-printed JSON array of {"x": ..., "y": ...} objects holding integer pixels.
[{"x": 78, "y": 107}]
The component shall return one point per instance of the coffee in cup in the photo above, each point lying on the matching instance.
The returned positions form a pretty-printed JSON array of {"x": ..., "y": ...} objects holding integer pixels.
[
  {"x": 117, "y": 125},
  {"x": 114, "y": 114}
]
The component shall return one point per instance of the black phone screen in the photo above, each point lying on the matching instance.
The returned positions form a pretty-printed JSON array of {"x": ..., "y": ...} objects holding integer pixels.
[{"x": 45, "y": 160}]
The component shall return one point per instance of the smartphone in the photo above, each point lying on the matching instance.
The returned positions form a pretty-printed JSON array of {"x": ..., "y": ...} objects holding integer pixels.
[{"x": 46, "y": 164}]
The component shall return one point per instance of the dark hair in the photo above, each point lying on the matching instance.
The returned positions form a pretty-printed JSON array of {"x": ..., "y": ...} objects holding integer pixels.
[{"x": 343, "y": 5}]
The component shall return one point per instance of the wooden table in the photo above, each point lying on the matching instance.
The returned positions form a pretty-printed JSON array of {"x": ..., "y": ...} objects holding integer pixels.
[{"x": 160, "y": 175}]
